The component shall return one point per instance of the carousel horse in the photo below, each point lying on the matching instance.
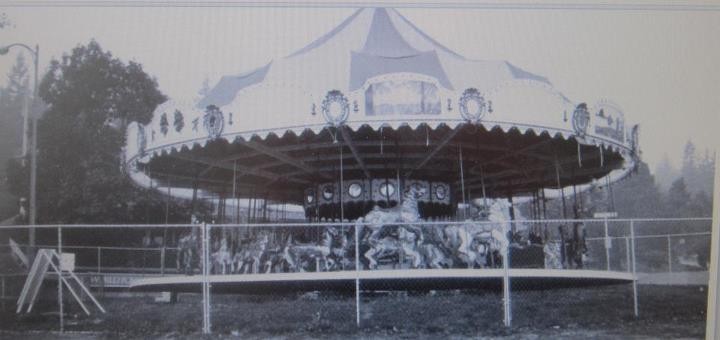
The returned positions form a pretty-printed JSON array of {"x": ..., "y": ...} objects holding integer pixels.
[
  {"x": 276, "y": 260},
  {"x": 248, "y": 259},
  {"x": 377, "y": 218},
  {"x": 406, "y": 243},
  {"x": 187, "y": 247},
  {"x": 339, "y": 250},
  {"x": 578, "y": 248},
  {"x": 300, "y": 252},
  {"x": 474, "y": 243},
  {"x": 570, "y": 251},
  {"x": 434, "y": 257},
  {"x": 222, "y": 259},
  {"x": 551, "y": 250}
]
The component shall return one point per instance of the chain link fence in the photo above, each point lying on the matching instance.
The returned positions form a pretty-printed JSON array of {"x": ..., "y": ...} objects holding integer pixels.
[{"x": 462, "y": 277}]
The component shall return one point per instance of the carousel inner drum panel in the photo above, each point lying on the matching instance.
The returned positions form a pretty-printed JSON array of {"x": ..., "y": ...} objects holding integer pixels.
[{"x": 359, "y": 196}]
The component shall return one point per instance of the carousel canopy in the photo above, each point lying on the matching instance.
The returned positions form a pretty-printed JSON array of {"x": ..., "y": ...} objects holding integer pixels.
[{"x": 389, "y": 101}]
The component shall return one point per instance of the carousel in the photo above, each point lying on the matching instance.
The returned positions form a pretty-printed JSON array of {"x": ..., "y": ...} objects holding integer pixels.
[{"x": 373, "y": 114}]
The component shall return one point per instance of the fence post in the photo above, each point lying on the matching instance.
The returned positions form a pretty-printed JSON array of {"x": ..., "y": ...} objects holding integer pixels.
[
  {"x": 507, "y": 318},
  {"x": 357, "y": 274},
  {"x": 627, "y": 253},
  {"x": 60, "y": 292},
  {"x": 669, "y": 255},
  {"x": 162, "y": 261},
  {"x": 607, "y": 245},
  {"x": 632, "y": 244},
  {"x": 205, "y": 272},
  {"x": 99, "y": 259}
]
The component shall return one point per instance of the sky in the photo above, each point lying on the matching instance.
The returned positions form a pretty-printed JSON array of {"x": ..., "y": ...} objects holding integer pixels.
[{"x": 661, "y": 67}]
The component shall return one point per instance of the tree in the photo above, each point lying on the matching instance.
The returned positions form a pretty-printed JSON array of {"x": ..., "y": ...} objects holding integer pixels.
[
  {"x": 665, "y": 173},
  {"x": 698, "y": 172},
  {"x": 79, "y": 174},
  {"x": 677, "y": 202},
  {"x": 638, "y": 195}
]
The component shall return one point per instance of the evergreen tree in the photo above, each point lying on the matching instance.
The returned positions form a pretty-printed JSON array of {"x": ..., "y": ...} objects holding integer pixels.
[
  {"x": 678, "y": 200},
  {"x": 638, "y": 195},
  {"x": 665, "y": 173}
]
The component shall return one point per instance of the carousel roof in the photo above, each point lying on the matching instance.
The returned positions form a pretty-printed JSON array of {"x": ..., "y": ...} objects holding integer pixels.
[{"x": 376, "y": 70}]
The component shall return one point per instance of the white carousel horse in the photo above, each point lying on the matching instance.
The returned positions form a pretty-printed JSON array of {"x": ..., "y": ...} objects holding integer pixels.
[
  {"x": 472, "y": 242},
  {"x": 299, "y": 252},
  {"x": 248, "y": 259},
  {"x": 274, "y": 260},
  {"x": 377, "y": 218},
  {"x": 407, "y": 241},
  {"x": 221, "y": 259},
  {"x": 551, "y": 251}
]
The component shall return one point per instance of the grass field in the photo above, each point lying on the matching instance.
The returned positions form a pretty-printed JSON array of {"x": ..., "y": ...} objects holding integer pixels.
[{"x": 594, "y": 312}]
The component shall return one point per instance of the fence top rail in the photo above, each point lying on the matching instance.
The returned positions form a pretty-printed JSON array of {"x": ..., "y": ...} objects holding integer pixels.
[
  {"x": 702, "y": 233},
  {"x": 6, "y": 245},
  {"x": 350, "y": 224},
  {"x": 53, "y": 246}
]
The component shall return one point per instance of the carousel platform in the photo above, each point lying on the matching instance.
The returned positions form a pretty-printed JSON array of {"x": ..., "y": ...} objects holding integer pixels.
[{"x": 395, "y": 279}]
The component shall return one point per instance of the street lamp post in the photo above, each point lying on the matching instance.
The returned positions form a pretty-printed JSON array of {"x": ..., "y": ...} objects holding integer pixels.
[{"x": 33, "y": 141}]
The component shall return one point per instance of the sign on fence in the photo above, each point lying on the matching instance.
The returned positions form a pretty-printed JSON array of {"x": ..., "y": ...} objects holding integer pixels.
[
  {"x": 67, "y": 262},
  {"x": 608, "y": 214}
]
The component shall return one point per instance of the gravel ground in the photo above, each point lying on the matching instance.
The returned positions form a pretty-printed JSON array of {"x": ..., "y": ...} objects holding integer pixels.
[{"x": 596, "y": 312}]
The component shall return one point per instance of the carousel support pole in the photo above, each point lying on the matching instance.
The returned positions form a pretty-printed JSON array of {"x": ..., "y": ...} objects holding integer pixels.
[
  {"x": 234, "y": 191},
  {"x": 264, "y": 208},
  {"x": 535, "y": 211},
  {"x": 397, "y": 172},
  {"x": 482, "y": 183},
  {"x": 512, "y": 214},
  {"x": 194, "y": 196},
  {"x": 544, "y": 203},
  {"x": 167, "y": 206},
  {"x": 399, "y": 187},
  {"x": 254, "y": 209},
  {"x": 576, "y": 207},
  {"x": 249, "y": 208},
  {"x": 562, "y": 190},
  {"x": 462, "y": 182},
  {"x": 342, "y": 187},
  {"x": 147, "y": 206},
  {"x": 317, "y": 204}
]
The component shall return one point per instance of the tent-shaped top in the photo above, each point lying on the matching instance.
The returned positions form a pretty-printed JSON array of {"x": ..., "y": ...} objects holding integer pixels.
[{"x": 375, "y": 70}]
